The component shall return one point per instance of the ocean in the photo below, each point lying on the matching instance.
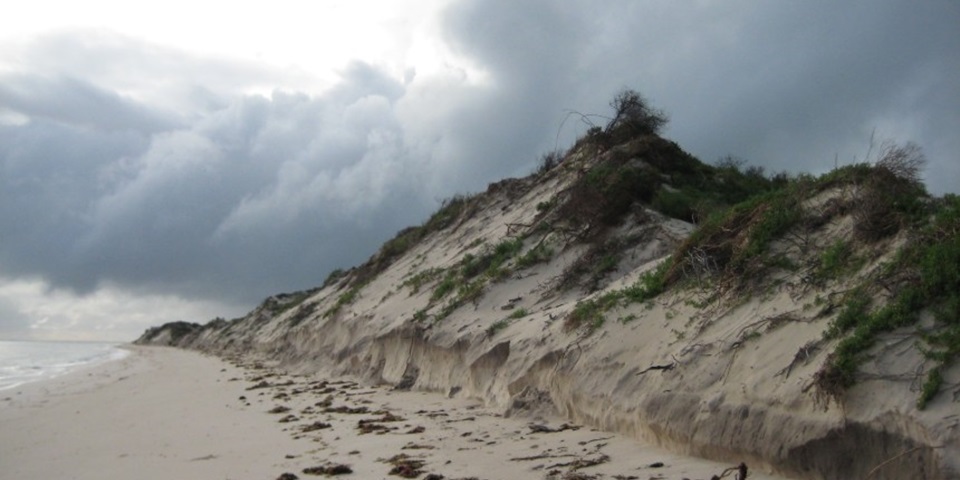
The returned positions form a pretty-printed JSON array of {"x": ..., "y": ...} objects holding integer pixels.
[{"x": 22, "y": 362}]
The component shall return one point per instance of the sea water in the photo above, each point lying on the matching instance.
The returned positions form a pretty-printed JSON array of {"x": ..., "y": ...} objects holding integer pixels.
[{"x": 22, "y": 362}]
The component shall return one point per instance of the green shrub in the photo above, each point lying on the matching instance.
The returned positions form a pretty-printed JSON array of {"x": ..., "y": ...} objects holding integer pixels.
[
  {"x": 591, "y": 312},
  {"x": 776, "y": 217},
  {"x": 345, "y": 298},
  {"x": 491, "y": 261},
  {"x": 497, "y": 326},
  {"x": 855, "y": 312},
  {"x": 930, "y": 387},
  {"x": 679, "y": 204},
  {"x": 334, "y": 276},
  {"x": 931, "y": 267},
  {"x": 470, "y": 291},
  {"x": 649, "y": 285},
  {"x": 447, "y": 285},
  {"x": 450, "y": 210},
  {"x": 538, "y": 254},
  {"x": 608, "y": 263},
  {"x": 418, "y": 279}
]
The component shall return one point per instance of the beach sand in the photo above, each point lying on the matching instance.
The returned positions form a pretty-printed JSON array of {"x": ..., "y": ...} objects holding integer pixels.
[{"x": 164, "y": 413}]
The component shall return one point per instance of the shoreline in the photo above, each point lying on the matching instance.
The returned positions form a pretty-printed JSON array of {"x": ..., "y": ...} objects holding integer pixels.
[
  {"x": 54, "y": 364},
  {"x": 169, "y": 413}
]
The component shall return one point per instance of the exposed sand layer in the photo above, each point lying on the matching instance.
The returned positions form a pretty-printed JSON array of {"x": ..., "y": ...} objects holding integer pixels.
[{"x": 165, "y": 413}]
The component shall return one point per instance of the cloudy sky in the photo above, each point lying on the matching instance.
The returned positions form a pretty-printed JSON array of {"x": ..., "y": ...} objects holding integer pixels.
[{"x": 183, "y": 160}]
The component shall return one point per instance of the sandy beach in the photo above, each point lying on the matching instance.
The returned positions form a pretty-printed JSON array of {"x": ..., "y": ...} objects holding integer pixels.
[{"x": 164, "y": 413}]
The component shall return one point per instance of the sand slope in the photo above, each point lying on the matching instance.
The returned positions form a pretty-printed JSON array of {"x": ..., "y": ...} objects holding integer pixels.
[{"x": 719, "y": 367}]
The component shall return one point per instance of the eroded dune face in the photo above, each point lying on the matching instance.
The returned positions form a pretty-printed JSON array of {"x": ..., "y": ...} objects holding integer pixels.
[{"x": 532, "y": 298}]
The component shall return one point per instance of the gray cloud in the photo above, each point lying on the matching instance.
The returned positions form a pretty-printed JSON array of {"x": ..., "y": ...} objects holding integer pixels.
[
  {"x": 230, "y": 205},
  {"x": 76, "y": 102},
  {"x": 190, "y": 187},
  {"x": 14, "y": 324}
]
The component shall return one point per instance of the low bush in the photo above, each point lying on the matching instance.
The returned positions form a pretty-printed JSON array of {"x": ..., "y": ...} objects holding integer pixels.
[
  {"x": 497, "y": 327},
  {"x": 540, "y": 253},
  {"x": 649, "y": 285},
  {"x": 928, "y": 268}
]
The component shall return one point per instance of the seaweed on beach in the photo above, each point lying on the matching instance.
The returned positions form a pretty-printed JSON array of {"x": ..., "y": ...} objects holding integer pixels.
[
  {"x": 405, "y": 466},
  {"x": 347, "y": 410},
  {"x": 329, "y": 469},
  {"x": 314, "y": 427}
]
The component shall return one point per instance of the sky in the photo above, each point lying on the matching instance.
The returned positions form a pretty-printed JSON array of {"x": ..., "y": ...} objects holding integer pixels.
[{"x": 184, "y": 160}]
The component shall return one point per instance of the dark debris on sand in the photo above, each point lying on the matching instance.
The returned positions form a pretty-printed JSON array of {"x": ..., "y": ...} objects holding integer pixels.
[
  {"x": 376, "y": 425},
  {"x": 329, "y": 469},
  {"x": 347, "y": 410},
  {"x": 405, "y": 466},
  {"x": 535, "y": 428},
  {"x": 314, "y": 427}
]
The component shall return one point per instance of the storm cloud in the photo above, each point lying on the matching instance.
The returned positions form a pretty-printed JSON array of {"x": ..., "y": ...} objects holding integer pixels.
[{"x": 136, "y": 171}]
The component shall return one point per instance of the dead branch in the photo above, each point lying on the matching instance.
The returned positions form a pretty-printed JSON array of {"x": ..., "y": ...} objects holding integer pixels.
[
  {"x": 511, "y": 227},
  {"x": 802, "y": 355}
]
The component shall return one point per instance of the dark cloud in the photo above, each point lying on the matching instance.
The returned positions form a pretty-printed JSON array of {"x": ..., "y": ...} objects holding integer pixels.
[
  {"x": 790, "y": 87},
  {"x": 240, "y": 203},
  {"x": 152, "y": 170}
]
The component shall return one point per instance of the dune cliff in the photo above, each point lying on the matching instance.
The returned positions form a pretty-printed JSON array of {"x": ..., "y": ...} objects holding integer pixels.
[{"x": 787, "y": 322}]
